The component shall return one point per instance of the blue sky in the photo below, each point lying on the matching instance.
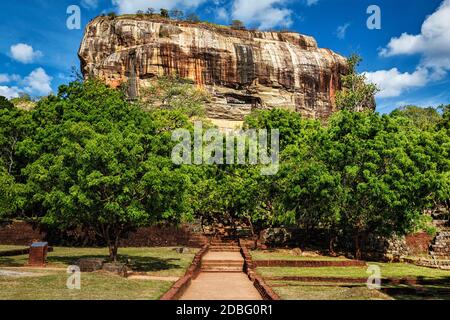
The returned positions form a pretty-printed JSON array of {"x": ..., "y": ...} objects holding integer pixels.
[{"x": 409, "y": 57}]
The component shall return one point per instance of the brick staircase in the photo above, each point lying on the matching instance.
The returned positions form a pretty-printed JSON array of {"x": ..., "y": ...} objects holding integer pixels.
[
  {"x": 440, "y": 249},
  {"x": 223, "y": 256},
  {"x": 197, "y": 240},
  {"x": 219, "y": 245}
]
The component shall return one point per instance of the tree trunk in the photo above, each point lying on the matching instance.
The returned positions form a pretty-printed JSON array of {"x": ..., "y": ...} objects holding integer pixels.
[
  {"x": 113, "y": 244},
  {"x": 254, "y": 237},
  {"x": 113, "y": 249},
  {"x": 331, "y": 245},
  {"x": 358, "y": 252}
]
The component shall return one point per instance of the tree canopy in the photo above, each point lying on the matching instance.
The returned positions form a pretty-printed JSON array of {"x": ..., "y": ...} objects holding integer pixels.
[
  {"x": 88, "y": 157},
  {"x": 356, "y": 93}
]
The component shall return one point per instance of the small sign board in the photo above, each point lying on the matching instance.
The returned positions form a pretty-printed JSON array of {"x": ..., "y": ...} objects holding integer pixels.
[
  {"x": 39, "y": 244},
  {"x": 38, "y": 254}
]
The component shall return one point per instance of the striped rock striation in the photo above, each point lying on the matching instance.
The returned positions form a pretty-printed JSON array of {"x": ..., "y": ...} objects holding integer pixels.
[{"x": 243, "y": 70}]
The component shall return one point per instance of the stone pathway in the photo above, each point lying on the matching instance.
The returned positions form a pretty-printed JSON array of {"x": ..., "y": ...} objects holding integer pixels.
[
  {"x": 221, "y": 286},
  {"x": 222, "y": 277},
  {"x": 16, "y": 274}
]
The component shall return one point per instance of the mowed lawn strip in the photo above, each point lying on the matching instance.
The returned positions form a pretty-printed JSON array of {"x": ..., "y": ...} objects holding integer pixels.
[
  {"x": 437, "y": 288},
  {"x": 50, "y": 284},
  {"x": 286, "y": 255},
  {"x": 94, "y": 286},
  {"x": 317, "y": 292},
  {"x": 5, "y": 247},
  {"x": 388, "y": 270}
]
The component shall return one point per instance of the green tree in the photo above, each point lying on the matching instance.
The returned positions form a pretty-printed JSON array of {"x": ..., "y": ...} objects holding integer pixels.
[
  {"x": 15, "y": 126},
  {"x": 103, "y": 164},
  {"x": 362, "y": 174},
  {"x": 192, "y": 17},
  {"x": 7, "y": 195},
  {"x": 5, "y": 103},
  {"x": 356, "y": 93},
  {"x": 422, "y": 118},
  {"x": 164, "y": 13},
  {"x": 293, "y": 128},
  {"x": 445, "y": 121},
  {"x": 238, "y": 25},
  {"x": 176, "y": 14},
  {"x": 390, "y": 172}
]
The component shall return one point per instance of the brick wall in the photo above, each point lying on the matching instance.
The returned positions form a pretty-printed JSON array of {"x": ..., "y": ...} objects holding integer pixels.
[
  {"x": 419, "y": 243},
  {"x": 21, "y": 233}
]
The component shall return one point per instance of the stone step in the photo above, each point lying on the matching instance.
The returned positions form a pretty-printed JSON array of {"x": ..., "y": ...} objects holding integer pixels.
[
  {"x": 441, "y": 255},
  {"x": 222, "y": 246},
  {"x": 443, "y": 236},
  {"x": 440, "y": 223},
  {"x": 222, "y": 263},
  {"x": 224, "y": 250},
  {"x": 445, "y": 247},
  {"x": 217, "y": 243},
  {"x": 222, "y": 269}
]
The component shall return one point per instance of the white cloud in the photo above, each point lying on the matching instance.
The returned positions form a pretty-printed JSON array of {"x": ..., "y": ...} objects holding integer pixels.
[
  {"x": 393, "y": 83},
  {"x": 433, "y": 42},
  {"x": 89, "y": 4},
  {"x": 38, "y": 82},
  {"x": 341, "y": 31},
  {"x": 310, "y": 3},
  {"x": 4, "y": 78},
  {"x": 265, "y": 14},
  {"x": 9, "y": 92},
  {"x": 132, "y": 6},
  {"x": 222, "y": 14},
  {"x": 24, "y": 53}
]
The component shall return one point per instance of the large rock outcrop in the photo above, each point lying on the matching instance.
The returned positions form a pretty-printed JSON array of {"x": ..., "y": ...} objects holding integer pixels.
[{"x": 242, "y": 70}]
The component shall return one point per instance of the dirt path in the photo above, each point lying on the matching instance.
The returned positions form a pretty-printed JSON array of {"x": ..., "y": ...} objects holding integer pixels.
[{"x": 226, "y": 284}]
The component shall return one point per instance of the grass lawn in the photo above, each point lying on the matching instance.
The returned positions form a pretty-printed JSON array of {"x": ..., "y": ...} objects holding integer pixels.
[
  {"x": 5, "y": 247},
  {"x": 50, "y": 284},
  {"x": 162, "y": 261},
  {"x": 388, "y": 270},
  {"x": 293, "y": 290},
  {"x": 286, "y": 255},
  {"x": 309, "y": 291}
]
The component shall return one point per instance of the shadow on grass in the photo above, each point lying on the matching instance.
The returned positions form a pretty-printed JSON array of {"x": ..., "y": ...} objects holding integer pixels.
[
  {"x": 12, "y": 261},
  {"x": 136, "y": 263},
  {"x": 422, "y": 288}
]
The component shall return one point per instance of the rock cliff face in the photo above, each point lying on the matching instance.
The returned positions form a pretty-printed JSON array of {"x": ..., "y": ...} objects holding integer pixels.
[{"x": 243, "y": 70}]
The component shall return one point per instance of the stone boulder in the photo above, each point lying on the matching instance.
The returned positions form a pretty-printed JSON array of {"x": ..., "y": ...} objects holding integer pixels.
[
  {"x": 242, "y": 70},
  {"x": 90, "y": 264}
]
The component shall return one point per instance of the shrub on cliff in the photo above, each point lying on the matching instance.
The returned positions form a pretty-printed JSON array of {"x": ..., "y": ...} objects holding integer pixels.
[
  {"x": 164, "y": 13},
  {"x": 192, "y": 17},
  {"x": 176, "y": 94},
  {"x": 237, "y": 25},
  {"x": 356, "y": 94}
]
